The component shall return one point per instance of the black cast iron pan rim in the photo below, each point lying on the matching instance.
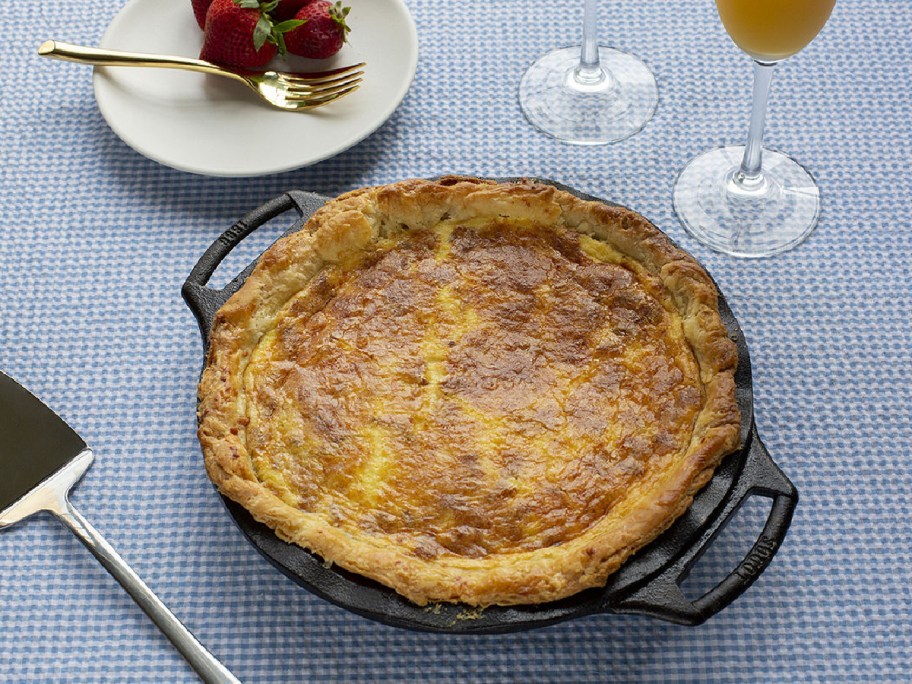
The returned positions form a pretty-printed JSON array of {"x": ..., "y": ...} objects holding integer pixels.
[{"x": 648, "y": 583}]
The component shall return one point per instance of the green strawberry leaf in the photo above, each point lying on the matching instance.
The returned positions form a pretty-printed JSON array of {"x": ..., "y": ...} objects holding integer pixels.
[
  {"x": 247, "y": 4},
  {"x": 277, "y": 36},
  {"x": 268, "y": 6},
  {"x": 279, "y": 41},
  {"x": 262, "y": 31},
  {"x": 289, "y": 25},
  {"x": 338, "y": 15}
]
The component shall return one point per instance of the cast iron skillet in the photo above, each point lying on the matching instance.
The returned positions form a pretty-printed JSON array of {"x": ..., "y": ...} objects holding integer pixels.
[{"x": 648, "y": 583}]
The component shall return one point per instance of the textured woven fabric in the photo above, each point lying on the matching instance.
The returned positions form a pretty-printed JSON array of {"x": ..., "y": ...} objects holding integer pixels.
[{"x": 96, "y": 240}]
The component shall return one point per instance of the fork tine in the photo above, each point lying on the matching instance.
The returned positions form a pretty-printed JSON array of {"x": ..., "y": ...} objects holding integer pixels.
[
  {"x": 291, "y": 80},
  {"x": 297, "y": 93},
  {"x": 310, "y": 103},
  {"x": 319, "y": 76}
]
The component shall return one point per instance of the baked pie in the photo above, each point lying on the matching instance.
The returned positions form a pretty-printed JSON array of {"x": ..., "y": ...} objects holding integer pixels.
[{"x": 470, "y": 391}]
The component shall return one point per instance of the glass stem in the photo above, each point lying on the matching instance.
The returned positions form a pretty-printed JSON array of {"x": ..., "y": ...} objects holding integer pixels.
[
  {"x": 589, "y": 59},
  {"x": 589, "y": 71},
  {"x": 750, "y": 173}
]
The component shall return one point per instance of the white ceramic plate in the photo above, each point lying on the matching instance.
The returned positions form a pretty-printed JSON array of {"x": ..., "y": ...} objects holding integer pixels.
[{"x": 216, "y": 127}]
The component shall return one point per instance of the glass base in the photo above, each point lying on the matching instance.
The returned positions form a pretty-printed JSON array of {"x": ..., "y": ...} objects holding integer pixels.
[
  {"x": 588, "y": 107},
  {"x": 770, "y": 215}
]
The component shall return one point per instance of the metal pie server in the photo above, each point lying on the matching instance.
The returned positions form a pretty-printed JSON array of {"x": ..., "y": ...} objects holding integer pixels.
[{"x": 41, "y": 458}]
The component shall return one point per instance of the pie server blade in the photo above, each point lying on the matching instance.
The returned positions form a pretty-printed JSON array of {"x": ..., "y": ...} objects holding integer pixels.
[{"x": 41, "y": 458}]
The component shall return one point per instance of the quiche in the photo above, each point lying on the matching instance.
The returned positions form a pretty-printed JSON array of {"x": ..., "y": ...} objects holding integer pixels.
[{"x": 470, "y": 391}]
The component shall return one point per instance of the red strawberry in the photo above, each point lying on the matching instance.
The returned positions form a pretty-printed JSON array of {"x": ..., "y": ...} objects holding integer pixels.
[
  {"x": 323, "y": 32},
  {"x": 199, "y": 11},
  {"x": 241, "y": 33},
  {"x": 288, "y": 8}
]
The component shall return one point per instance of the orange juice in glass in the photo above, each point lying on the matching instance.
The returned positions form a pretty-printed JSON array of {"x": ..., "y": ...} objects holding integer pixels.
[
  {"x": 771, "y": 30},
  {"x": 744, "y": 200}
]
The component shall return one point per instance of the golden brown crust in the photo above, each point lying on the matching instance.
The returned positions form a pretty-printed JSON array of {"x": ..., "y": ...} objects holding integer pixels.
[{"x": 430, "y": 385}]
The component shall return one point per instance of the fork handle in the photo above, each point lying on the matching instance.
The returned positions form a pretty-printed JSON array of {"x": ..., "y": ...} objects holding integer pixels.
[{"x": 88, "y": 55}]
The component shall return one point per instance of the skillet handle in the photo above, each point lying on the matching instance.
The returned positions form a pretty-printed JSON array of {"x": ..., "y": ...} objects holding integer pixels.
[
  {"x": 205, "y": 301},
  {"x": 662, "y": 596}
]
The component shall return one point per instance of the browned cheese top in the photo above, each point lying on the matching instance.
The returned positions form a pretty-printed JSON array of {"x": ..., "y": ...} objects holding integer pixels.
[{"x": 471, "y": 390}]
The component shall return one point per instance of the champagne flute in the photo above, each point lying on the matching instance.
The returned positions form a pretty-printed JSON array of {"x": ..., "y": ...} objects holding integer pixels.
[
  {"x": 744, "y": 200},
  {"x": 590, "y": 94}
]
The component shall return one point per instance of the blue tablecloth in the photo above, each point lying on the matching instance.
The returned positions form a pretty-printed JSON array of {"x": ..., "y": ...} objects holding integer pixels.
[{"x": 96, "y": 240}]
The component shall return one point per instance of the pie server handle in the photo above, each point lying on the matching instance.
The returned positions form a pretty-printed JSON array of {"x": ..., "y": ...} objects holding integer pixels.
[
  {"x": 52, "y": 495},
  {"x": 207, "y": 666},
  {"x": 205, "y": 301},
  {"x": 661, "y": 596}
]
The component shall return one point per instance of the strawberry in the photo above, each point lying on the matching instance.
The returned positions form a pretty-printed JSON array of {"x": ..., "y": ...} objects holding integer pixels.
[
  {"x": 241, "y": 33},
  {"x": 323, "y": 31},
  {"x": 199, "y": 11},
  {"x": 287, "y": 8}
]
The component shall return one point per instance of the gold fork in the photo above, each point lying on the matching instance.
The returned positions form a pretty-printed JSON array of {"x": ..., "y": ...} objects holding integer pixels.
[{"x": 291, "y": 91}]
